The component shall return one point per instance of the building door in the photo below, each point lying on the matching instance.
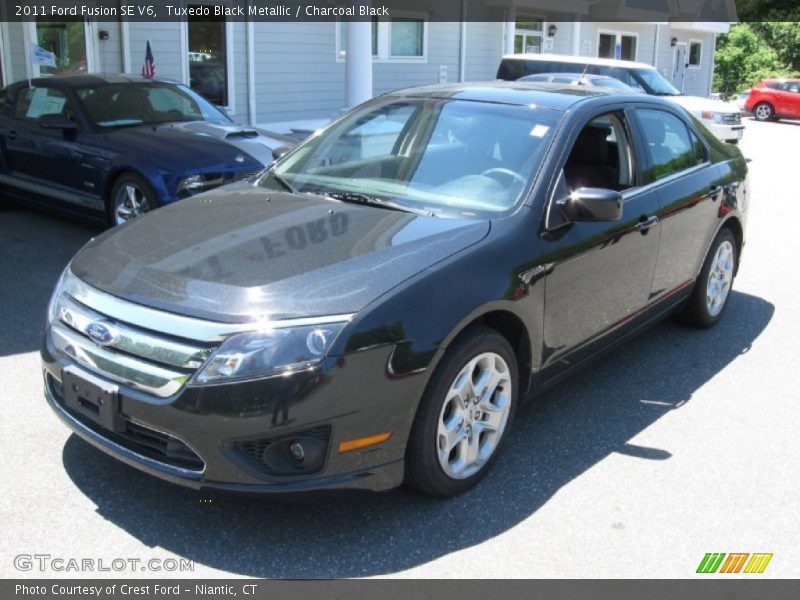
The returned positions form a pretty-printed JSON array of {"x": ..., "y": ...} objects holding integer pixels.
[
  {"x": 679, "y": 66},
  {"x": 528, "y": 37}
]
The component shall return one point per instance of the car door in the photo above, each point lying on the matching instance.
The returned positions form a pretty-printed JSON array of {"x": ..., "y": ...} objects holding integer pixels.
[
  {"x": 790, "y": 99},
  {"x": 599, "y": 273},
  {"x": 689, "y": 189},
  {"x": 41, "y": 160}
]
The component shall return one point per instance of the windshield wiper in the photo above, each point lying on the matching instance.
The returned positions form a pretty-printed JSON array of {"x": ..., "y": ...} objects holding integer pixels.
[{"x": 359, "y": 198}]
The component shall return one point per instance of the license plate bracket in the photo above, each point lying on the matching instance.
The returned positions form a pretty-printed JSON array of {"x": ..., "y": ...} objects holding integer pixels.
[{"x": 92, "y": 398}]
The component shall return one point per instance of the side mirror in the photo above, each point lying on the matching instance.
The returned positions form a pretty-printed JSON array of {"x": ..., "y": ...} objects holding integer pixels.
[
  {"x": 593, "y": 204},
  {"x": 280, "y": 152},
  {"x": 57, "y": 121}
]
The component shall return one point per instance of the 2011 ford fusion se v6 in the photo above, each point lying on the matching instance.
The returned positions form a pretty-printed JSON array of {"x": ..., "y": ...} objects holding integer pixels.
[{"x": 375, "y": 307}]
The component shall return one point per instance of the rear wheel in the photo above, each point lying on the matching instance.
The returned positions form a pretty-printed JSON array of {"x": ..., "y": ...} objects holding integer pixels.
[
  {"x": 130, "y": 197},
  {"x": 463, "y": 418},
  {"x": 763, "y": 111},
  {"x": 712, "y": 289}
]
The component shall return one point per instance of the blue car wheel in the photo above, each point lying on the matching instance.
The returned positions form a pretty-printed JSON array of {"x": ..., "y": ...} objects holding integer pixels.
[{"x": 130, "y": 197}]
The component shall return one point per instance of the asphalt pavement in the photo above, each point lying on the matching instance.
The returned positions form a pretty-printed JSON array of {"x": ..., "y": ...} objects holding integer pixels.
[{"x": 680, "y": 443}]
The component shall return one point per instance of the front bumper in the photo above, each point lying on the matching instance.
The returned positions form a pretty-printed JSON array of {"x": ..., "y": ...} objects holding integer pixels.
[
  {"x": 725, "y": 132},
  {"x": 350, "y": 397}
]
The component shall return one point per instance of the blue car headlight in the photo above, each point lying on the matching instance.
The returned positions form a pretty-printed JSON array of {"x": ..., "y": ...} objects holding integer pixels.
[
  {"x": 260, "y": 353},
  {"x": 194, "y": 184}
]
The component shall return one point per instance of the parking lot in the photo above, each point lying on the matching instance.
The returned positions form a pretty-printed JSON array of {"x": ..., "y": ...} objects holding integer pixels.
[{"x": 680, "y": 443}]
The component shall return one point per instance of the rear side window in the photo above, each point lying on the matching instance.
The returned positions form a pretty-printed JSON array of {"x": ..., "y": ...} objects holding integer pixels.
[
  {"x": 512, "y": 69},
  {"x": 668, "y": 143},
  {"x": 617, "y": 73}
]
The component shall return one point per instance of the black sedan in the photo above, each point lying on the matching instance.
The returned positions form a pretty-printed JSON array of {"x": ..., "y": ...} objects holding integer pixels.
[
  {"x": 377, "y": 305},
  {"x": 111, "y": 147}
]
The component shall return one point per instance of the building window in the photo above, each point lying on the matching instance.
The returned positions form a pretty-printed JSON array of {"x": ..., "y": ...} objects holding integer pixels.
[
  {"x": 341, "y": 51},
  {"x": 621, "y": 46},
  {"x": 695, "y": 52},
  {"x": 408, "y": 37},
  {"x": 208, "y": 60},
  {"x": 528, "y": 37},
  {"x": 65, "y": 39}
]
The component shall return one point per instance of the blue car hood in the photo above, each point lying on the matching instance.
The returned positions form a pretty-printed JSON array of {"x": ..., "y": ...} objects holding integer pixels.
[
  {"x": 243, "y": 252},
  {"x": 194, "y": 146}
]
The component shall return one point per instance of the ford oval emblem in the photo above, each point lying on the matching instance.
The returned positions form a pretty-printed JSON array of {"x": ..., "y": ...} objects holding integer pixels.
[
  {"x": 102, "y": 333},
  {"x": 239, "y": 158}
]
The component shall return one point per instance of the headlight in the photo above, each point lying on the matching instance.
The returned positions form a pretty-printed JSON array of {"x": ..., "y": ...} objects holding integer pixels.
[
  {"x": 260, "y": 353},
  {"x": 194, "y": 184},
  {"x": 713, "y": 116},
  {"x": 64, "y": 282}
]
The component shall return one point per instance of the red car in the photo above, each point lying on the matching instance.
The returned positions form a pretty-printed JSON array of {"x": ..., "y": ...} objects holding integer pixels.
[{"x": 772, "y": 99}]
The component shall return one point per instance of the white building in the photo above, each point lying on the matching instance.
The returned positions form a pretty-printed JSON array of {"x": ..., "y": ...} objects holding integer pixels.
[{"x": 278, "y": 74}]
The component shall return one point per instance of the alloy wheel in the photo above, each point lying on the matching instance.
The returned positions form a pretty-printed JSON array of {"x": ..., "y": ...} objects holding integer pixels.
[
  {"x": 720, "y": 276},
  {"x": 763, "y": 112},
  {"x": 474, "y": 415},
  {"x": 130, "y": 202}
]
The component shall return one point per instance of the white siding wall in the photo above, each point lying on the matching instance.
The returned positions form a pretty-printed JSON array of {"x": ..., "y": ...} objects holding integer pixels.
[
  {"x": 166, "y": 45},
  {"x": 109, "y": 52}
]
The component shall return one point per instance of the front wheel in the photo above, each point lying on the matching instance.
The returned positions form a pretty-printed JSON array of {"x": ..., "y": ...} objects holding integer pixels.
[
  {"x": 764, "y": 112},
  {"x": 713, "y": 287},
  {"x": 463, "y": 418},
  {"x": 130, "y": 197}
]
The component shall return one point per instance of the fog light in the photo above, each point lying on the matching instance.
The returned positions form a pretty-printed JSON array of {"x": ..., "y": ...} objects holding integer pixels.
[{"x": 297, "y": 451}]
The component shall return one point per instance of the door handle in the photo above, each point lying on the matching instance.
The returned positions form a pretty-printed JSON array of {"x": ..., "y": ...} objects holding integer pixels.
[
  {"x": 714, "y": 191},
  {"x": 645, "y": 223},
  {"x": 11, "y": 134}
]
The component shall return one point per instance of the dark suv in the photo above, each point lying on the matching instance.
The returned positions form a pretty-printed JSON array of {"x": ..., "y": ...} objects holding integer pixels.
[{"x": 375, "y": 307}]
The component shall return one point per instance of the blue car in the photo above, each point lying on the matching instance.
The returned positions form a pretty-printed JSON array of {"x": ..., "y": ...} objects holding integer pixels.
[{"x": 111, "y": 147}]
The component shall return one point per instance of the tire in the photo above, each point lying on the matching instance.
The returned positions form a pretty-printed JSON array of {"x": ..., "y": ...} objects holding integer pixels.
[
  {"x": 710, "y": 297},
  {"x": 483, "y": 352},
  {"x": 132, "y": 194},
  {"x": 763, "y": 111}
]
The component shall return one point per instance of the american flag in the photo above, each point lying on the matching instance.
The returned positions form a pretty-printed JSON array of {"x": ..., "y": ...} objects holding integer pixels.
[{"x": 149, "y": 66}]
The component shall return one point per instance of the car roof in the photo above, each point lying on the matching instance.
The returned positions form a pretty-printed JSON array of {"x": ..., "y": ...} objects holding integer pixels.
[
  {"x": 580, "y": 60},
  {"x": 80, "y": 80},
  {"x": 522, "y": 93}
]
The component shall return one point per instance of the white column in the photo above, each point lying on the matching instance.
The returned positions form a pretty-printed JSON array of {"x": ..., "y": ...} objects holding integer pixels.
[
  {"x": 576, "y": 37},
  {"x": 511, "y": 28},
  {"x": 358, "y": 63}
]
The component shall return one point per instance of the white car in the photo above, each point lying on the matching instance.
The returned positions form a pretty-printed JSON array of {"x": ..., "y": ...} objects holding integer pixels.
[{"x": 723, "y": 119}]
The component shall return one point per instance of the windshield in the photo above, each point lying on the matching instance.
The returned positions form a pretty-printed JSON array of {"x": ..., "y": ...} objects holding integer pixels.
[
  {"x": 436, "y": 155},
  {"x": 654, "y": 83},
  {"x": 610, "y": 82},
  {"x": 147, "y": 103}
]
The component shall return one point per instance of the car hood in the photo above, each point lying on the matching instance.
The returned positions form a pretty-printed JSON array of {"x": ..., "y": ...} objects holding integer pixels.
[
  {"x": 244, "y": 253},
  {"x": 696, "y": 104},
  {"x": 197, "y": 145}
]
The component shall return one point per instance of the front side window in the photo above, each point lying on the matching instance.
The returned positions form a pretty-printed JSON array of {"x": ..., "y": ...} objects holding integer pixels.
[
  {"x": 667, "y": 143},
  {"x": 34, "y": 103},
  {"x": 208, "y": 61},
  {"x": 436, "y": 155},
  {"x": 65, "y": 39},
  {"x": 695, "y": 53},
  {"x": 407, "y": 37},
  {"x": 601, "y": 156}
]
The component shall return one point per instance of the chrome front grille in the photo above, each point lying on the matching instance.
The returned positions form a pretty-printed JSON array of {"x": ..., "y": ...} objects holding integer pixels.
[
  {"x": 123, "y": 350},
  {"x": 732, "y": 118}
]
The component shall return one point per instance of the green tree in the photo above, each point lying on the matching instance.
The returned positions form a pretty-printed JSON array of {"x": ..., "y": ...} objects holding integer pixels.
[{"x": 746, "y": 55}]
